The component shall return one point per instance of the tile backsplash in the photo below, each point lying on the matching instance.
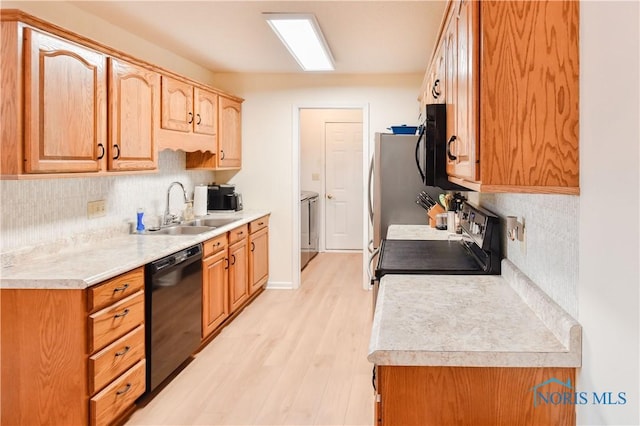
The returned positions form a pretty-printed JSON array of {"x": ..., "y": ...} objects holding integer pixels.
[
  {"x": 549, "y": 254},
  {"x": 35, "y": 212}
]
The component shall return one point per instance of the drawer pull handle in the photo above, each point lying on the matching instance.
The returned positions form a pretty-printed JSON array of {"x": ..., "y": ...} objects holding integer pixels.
[
  {"x": 240, "y": 233},
  {"x": 123, "y": 288},
  {"x": 233, "y": 262},
  {"x": 124, "y": 351},
  {"x": 253, "y": 246},
  {"x": 226, "y": 259},
  {"x": 124, "y": 390},
  {"x": 218, "y": 244},
  {"x": 260, "y": 223},
  {"x": 123, "y": 314}
]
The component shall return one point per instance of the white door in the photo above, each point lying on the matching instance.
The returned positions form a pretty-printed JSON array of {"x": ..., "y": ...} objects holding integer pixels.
[{"x": 343, "y": 186}]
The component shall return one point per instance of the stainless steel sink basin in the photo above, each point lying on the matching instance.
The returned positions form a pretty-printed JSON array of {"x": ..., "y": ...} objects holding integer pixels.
[
  {"x": 182, "y": 230},
  {"x": 213, "y": 222}
]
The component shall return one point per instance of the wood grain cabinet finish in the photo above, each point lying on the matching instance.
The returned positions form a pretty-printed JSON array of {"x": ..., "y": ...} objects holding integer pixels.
[
  {"x": 238, "y": 273},
  {"x": 462, "y": 141},
  {"x": 230, "y": 134},
  {"x": 50, "y": 372},
  {"x": 500, "y": 396},
  {"x": 64, "y": 105},
  {"x": 215, "y": 284},
  {"x": 189, "y": 117},
  {"x": 74, "y": 107},
  {"x": 512, "y": 95},
  {"x": 134, "y": 114},
  {"x": 258, "y": 254}
]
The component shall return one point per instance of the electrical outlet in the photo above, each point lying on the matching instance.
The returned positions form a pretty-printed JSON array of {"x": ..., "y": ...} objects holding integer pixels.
[{"x": 96, "y": 209}]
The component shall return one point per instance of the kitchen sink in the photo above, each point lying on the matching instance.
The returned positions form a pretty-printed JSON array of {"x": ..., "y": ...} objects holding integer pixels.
[
  {"x": 213, "y": 222},
  {"x": 182, "y": 230}
]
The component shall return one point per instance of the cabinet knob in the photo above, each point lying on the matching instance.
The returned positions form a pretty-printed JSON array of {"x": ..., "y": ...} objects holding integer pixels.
[
  {"x": 434, "y": 90},
  {"x": 199, "y": 119},
  {"x": 253, "y": 246},
  {"x": 102, "y": 151},
  {"x": 226, "y": 266},
  {"x": 449, "y": 154},
  {"x": 221, "y": 154},
  {"x": 117, "y": 149},
  {"x": 329, "y": 196},
  {"x": 190, "y": 117},
  {"x": 233, "y": 259},
  {"x": 123, "y": 351}
]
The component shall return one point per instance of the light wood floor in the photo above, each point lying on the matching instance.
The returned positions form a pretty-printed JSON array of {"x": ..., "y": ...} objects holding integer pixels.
[{"x": 290, "y": 358}]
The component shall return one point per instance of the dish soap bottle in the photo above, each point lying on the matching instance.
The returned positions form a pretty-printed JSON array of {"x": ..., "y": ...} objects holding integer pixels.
[{"x": 140, "y": 225}]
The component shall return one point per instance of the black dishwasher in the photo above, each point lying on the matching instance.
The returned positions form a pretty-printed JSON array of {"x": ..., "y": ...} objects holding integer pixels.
[{"x": 173, "y": 314}]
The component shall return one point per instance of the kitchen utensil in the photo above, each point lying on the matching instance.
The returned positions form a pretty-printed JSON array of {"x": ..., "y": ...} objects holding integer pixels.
[{"x": 443, "y": 201}]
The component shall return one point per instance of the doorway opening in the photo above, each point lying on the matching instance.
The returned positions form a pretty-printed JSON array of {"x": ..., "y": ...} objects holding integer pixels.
[{"x": 333, "y": 148}]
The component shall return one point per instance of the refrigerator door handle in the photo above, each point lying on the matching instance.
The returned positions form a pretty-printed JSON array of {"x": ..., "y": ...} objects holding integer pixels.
[
  {"x": 422, "y": 133},
  {"x": 369, "y": 191}
]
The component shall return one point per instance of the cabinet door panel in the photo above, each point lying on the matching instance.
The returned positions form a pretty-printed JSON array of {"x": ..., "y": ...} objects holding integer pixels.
[
  {"x": 206, "y": 112},
  {"x": 451, "y": 82},
  {"x": 133, "y": 116},
  {"x": 258, "y": 259},
  {"x": 238, "y": 274},
  {"x": 65, "y": 105},
  {"x": 230, "y": 138},
  {"x": 177, "y": 105},
  {"x": 215, "y": 296}
]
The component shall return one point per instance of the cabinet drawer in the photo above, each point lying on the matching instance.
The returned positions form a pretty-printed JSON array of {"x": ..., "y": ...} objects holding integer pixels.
[
  {"x": 214, "y": 245},
  {"x": 115, "y": 289},
  {"x": 258, "y": 224},
  {"x": 107, "y": 325},
  {"x": 107, "y": 405},
  {"x": 238, "y": 233},
  {"x": 107, "y": 364}
]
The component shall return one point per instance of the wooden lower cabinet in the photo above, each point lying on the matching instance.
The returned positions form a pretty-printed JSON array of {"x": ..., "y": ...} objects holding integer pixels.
[
  {"x": 238, "y": 274},
  {"x": 66, "y": 350},
  {"x": 497, "y": 396},
  {"x": 258, "y": 254},
  {"x": 215, "y": 287}
]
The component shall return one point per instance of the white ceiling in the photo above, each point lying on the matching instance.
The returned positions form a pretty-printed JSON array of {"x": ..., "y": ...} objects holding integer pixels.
[{"x": 232, "y": 36}]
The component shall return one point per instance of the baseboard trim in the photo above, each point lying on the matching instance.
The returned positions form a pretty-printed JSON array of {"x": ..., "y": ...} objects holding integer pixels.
[{"x": 283, "y": 285}]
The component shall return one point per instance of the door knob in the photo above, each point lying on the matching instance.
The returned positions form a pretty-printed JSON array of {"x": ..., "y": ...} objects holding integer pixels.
[{"x": 329, "y": 196}]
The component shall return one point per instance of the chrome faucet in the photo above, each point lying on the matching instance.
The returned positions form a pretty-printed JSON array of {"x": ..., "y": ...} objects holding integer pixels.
[{"x": 169, "y": 218}]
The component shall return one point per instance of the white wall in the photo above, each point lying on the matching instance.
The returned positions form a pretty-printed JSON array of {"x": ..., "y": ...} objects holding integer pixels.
[
  {"x": 267, "y": 122},
  {"x": 608, "y": 292}
]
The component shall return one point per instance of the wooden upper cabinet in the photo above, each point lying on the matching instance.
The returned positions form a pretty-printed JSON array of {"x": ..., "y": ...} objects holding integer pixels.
[
  {"x": 134, "y": 114},
  {"x": 64, "y": 105},
  {"x": 230, "y": 136},
  {"x": 462, "y": 144},
  {"x": 177, "y": 105},
  {"x": 512, "y": 94},
  {"x": 206, "y": 112},
  {"x": 530, "y": 95}
]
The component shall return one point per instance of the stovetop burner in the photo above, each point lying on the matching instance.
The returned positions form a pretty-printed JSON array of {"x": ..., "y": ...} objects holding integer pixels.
[
  {"x": 426, "y": 257},
  {"x": 477, "y": 253}
]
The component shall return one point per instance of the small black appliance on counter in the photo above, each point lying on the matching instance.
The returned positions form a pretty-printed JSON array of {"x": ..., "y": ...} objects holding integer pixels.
[{"x": 223, "y": 197}]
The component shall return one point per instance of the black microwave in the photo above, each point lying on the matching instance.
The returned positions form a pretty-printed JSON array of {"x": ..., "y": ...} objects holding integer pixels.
[{"x": 431, "y": 149}]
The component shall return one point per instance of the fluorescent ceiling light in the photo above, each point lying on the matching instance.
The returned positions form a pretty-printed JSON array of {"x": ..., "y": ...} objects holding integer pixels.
[{"x": 301, "y": 34}]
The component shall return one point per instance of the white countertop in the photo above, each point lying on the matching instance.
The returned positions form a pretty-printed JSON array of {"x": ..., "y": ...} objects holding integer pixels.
[
  {"x": 469, "y": 320},
  {"x": 90, "y": 263},
  {"x": 418, "y": 232}
]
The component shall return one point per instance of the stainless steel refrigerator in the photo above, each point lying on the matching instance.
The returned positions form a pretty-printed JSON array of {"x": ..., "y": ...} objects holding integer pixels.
[{"x": 394, "y": 183}]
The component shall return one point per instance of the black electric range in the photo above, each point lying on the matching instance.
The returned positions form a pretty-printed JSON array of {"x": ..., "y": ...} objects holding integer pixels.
[{"x": 477, "y": 252}]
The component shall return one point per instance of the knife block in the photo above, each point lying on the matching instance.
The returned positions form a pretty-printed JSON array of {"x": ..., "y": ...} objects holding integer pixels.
[{"x": 433, "y": 211}]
